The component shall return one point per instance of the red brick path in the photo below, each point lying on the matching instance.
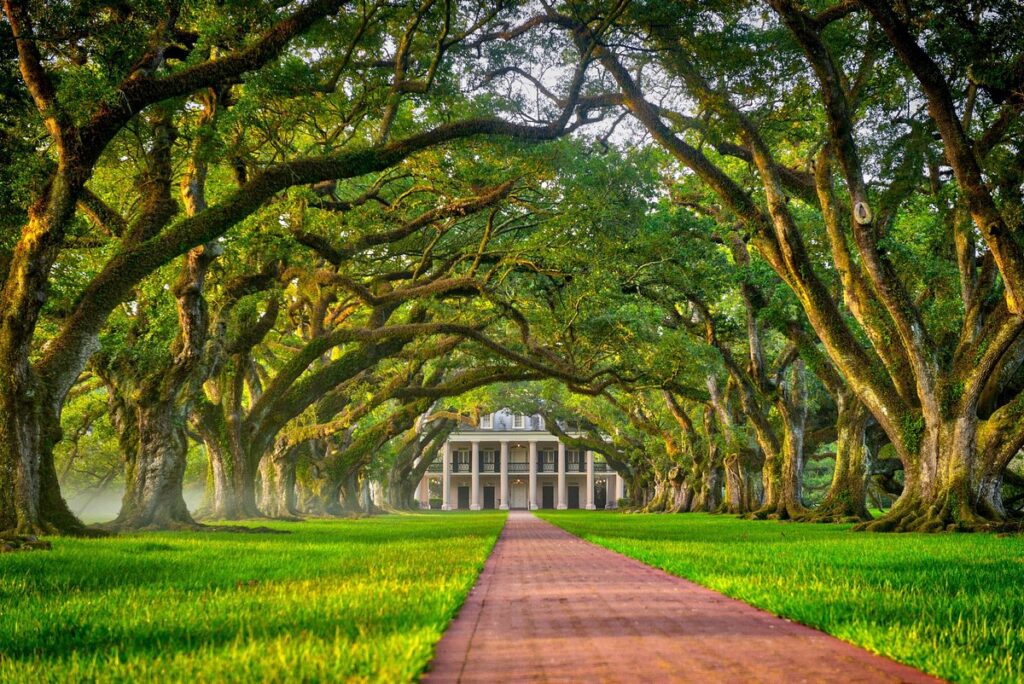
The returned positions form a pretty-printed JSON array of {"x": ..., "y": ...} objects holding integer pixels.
[{"x": 551, "y": 607}]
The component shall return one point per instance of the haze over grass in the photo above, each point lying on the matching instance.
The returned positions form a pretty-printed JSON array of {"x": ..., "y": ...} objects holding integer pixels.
[
  {"x": 334, "y": 600},
  {"x": 951, "y": 605}
]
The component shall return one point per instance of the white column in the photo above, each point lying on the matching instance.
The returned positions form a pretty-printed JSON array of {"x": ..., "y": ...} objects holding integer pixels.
[
  {"x": 590, "y": 480},
  {"x": 474, "y": 468},
  {"x": 563, "y": 501},
  {"x": 446, "y": 477},
  {"x": 503, "y": 465},
  {"x": 533, "y": 476},
  {"x": 621, "y": 489},
  {"x": 609, "y": 489}
]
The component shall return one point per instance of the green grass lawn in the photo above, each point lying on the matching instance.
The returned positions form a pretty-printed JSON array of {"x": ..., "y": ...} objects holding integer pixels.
[
  {"x": 952, "y": 605},
  {"x": 334, "y": 600}
]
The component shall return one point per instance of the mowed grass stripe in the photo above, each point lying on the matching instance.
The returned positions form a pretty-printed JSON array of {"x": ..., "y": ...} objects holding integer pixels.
[
  {"x": 951, "y": 605},
  {"x": 356, "y": 600}
]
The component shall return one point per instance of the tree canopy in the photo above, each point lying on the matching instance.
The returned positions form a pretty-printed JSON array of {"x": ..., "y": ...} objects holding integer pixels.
[{"x": 766, "y": 258}]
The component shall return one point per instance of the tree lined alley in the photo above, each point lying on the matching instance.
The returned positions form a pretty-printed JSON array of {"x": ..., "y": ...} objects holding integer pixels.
[{"x": 764, "y": 257}]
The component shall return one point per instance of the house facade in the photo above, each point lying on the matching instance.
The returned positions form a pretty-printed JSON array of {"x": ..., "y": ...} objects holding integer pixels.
[{"x": 510, "y": 461}]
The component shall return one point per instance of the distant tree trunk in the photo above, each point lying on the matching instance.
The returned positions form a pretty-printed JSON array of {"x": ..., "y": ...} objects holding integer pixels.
[
  {"x": 709, "y": 496},
  {"x": 277, "y": 479},
  {"x": 232, "y": 472},
  {"x": 348, "y": 501},
  {"x": 846, "y": 500},
  {"x": 736, "y": 497},
  {"x": 722, "y": 424},
  {"x": 401, "y": 489},
  {"x": 662, "y": 498},
  {"x": 783, "y": 463}
]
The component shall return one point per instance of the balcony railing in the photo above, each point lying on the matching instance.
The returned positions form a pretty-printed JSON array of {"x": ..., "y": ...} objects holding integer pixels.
[{"x": 490, "y": 468}]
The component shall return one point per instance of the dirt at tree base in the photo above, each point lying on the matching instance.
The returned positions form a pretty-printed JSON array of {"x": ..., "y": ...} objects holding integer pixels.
[{"x": 12, "y": 543}]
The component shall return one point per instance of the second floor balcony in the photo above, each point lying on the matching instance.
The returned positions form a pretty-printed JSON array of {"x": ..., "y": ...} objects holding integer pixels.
[{"x": 519, "y": 467}]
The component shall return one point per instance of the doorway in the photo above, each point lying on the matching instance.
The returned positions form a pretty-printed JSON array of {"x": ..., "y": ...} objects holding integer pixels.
[
  {"x": 489, "y": 497},
  {"x": 518, "y": 496},
  {"x": 600, "y": 495},
  {"x": 548, "y": 496},
  {"x": 574, "y": 496},
  {"x": 463, "y": 498}
]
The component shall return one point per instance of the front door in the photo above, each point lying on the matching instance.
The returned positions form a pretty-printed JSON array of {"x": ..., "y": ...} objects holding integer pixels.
[
  {"x": 574, "y": 496},
  {"x": 548, "y": 500},
  {"x": 463, "y": 498},
  {"x": 518, "y": 496},
  {"x": 600, "y": 499},
  {"x": 489, "y": 497}
]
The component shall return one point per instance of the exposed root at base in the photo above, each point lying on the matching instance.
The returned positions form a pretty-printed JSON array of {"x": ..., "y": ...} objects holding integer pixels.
[
  {"x": 12, "y": 543},
  {"x": 948, "y": 514}
]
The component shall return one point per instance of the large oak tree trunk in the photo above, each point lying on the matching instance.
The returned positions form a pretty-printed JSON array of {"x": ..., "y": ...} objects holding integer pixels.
[
  {"x": 30, "y": 497},
  {"x": 152, "y": 437},
  {"x": 942, "y": 490}
]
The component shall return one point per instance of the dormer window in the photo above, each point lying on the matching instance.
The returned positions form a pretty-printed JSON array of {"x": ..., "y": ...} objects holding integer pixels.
[
  {"x": 486, "y": 422},
  {"x": 518, "y": 421}
]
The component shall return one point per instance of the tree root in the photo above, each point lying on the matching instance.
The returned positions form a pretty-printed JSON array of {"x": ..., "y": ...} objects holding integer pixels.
[
  {"x": 778, "y": 511},
  {"x": 181, "y": 526},
  {"x": 11, "y": 543},
  {"x": 833, "y": 510},
  {"x": 948, "y": 513}
]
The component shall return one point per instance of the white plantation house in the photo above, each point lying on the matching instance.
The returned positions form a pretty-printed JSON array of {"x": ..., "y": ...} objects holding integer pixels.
[{"x": 509, "y": 461}]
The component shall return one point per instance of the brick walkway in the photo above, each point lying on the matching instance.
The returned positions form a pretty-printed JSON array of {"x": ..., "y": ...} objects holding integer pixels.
[{"x": 551, "y": 607}]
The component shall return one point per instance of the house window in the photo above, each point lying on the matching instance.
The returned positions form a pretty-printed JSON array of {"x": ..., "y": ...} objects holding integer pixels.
[
  {"x": 489, "y": 459},
  {"x": 462, "y": 460},
  {"x": 518, "y": 421},
  {"x": 549, "y": 456},
  {"x": 540, "y": 422},
  {"x": 486, "y": 422},
  {"x": 574, "y": 457}
]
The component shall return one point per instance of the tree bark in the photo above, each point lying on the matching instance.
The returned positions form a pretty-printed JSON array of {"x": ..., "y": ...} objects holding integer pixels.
[
  {"x": 846, "y": 500},
  {"x": 154, "y": 444},
  {"x": 277, "y": 480}
]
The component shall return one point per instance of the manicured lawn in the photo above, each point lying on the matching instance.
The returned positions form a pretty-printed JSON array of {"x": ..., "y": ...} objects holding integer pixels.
[
  {"x": 952, "y": 605},
  {"x": 361, "y": 600}
]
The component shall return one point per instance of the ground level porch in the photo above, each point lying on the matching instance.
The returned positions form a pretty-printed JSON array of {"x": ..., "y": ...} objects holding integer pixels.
[{"x": 541, "y": 491}]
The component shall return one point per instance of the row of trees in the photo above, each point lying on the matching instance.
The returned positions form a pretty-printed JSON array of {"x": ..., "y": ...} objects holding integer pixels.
[{"x": 288, "y": 247}]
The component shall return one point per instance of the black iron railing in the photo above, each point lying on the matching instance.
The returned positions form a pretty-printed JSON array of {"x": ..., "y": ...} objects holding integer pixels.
[{"x": 491, "y": 468}]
